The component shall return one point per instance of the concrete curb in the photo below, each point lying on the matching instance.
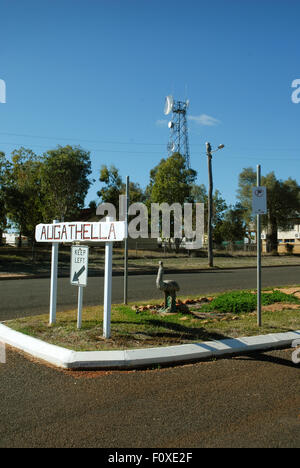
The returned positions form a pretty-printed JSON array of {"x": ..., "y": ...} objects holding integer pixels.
[{"x": 135, "y": 358}]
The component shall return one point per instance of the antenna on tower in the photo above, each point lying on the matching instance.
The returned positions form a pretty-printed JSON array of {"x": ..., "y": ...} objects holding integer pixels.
[{"x": 178, "y": 141}]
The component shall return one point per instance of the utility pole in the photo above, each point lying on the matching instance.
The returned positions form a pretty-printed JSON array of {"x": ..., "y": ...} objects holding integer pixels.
[
  {"x": 126, "y": 244},
  {"x": 210, "y": 206},
  {"x": 210, "y": 203}
]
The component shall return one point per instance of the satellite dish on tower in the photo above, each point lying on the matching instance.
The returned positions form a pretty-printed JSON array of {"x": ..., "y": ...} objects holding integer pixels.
[
  {"x": 178, "y": 140},
  {"x": 171, "y": 146},
  {"x": 168, "y": 105}
]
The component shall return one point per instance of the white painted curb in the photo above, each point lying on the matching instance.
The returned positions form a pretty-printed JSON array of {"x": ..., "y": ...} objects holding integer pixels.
[{"x": 69, "y": 359}]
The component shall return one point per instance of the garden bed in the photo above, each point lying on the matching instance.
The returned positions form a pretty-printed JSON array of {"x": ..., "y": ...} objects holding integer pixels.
[{"x": 143, "y": 325}]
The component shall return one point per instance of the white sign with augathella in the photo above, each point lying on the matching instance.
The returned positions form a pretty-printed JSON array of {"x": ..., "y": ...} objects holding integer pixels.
[
  {"x": 113, "y": 231},
  {"x": 109, "y": 231}
]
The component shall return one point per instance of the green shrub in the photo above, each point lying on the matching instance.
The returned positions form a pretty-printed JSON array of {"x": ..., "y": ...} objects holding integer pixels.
[
  {"x": 289, "y": 248},
  {"x": 278, "y": 296},
  {"x": 244, "y": 301}
]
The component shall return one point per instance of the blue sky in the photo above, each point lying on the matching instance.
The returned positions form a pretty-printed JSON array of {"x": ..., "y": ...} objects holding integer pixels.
[{"x": 96, "y": 73}]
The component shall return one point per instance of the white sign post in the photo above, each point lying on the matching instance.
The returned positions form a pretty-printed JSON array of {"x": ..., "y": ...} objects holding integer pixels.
[
  {"x": 79, "y": 307},
  {"x": 53, "y": 282},
  {"x": 259, "y": 207},
  {"x": 79, "y": 274},
  {"x": 107, "y": 290},
  {"x": 109, "y": 231}
]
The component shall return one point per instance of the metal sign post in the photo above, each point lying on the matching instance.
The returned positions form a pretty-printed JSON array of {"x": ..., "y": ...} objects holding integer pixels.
[
  {"x": 258, "y": 259},
  {"x": 79, "y": 312},
  {"x": 79, "y": 274},
  {"x": 259, "y": 207}
]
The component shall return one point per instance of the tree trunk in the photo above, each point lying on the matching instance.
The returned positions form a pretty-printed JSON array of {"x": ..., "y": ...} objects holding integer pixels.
[
  {"x": 272, "y": 241},
  {"x": 20, "y": 240}
]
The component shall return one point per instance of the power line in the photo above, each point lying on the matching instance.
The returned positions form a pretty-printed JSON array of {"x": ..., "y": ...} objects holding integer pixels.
[
  {"x": 101, "y": 150},
  {"x": 143, "y": 152},
  {"x": 80, "y": 139},
  {"x": 114, "y": 142}
]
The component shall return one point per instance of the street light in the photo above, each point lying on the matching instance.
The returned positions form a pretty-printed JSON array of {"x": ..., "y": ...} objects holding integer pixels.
[{"x": 210, "y": 202}]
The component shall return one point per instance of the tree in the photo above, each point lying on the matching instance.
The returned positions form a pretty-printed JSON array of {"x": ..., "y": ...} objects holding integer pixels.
[
  {"x": 283, "y": 203},
  {"x": 114, "y": 187},
  {"x": 64, "y": 182},
  {"x": 171, "y": 181},
  {"x": 22, "y": 191},
  {"x": 232, "y": 227},
  {"x": 136, "y": 193},
  {"x": 93, "y": 206},
  {"x": 3, "y": 213},
  {"x": 199, "y": 195}
]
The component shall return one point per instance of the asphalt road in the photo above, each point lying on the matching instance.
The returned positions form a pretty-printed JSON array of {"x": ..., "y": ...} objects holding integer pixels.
[
  {"x": 19, "y": 298},
  {"x": 245, "y": 401}
]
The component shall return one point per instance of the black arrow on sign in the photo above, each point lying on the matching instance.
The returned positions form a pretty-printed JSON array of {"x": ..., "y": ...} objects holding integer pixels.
[{"x": 76, "y": 275}]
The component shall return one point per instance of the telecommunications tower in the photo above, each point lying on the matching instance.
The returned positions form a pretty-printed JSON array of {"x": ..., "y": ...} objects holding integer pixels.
[{"x": 179, "y": 141}]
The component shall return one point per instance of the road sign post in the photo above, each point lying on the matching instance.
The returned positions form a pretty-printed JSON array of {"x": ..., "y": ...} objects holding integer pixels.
[
  {"x": 258, "y": 259},
  {"x": 259, "y": 207},
  {"x": 107, "y": 288},
  {"x": 53, "y": 281},
  {"x": 93, "y": 232},
  {"x": 79, "y": 274},
  {"x": 79, "y": 313}
]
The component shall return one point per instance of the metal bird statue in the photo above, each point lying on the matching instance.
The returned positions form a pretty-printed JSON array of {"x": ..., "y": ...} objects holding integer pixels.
[{"x": 169, "y": 287}]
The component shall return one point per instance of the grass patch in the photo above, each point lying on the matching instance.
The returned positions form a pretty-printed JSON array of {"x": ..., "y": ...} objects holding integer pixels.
[
  {"x": 245, "y": 301},
  {"x": 135, "y": 328}
]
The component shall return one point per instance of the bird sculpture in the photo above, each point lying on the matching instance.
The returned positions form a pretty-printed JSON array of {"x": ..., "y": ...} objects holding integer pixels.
[{"x": 169, "y": 287}]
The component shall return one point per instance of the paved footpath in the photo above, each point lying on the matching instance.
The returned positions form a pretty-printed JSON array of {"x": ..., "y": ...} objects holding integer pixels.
[{"x": 245, "y": 401}]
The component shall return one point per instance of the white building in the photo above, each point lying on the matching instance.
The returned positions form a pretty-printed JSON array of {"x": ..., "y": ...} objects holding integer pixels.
[
  {"x": 286, "y": 239},
  {"x": 12, "y": 238}
]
